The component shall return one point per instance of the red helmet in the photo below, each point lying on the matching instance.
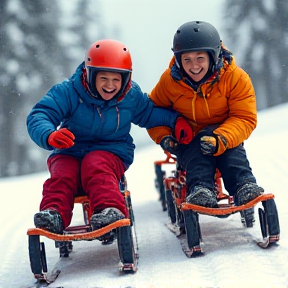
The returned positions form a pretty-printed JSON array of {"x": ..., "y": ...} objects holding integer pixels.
[{"x": 107, "y": 55}]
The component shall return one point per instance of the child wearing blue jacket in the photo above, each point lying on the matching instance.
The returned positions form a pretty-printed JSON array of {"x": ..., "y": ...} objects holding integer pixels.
[{"x": 86, "y": 122}]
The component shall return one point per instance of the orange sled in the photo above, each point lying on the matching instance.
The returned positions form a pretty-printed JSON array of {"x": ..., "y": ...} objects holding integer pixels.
[
  {"x": 185, "y": 216},
  {"x": 122, "y": 230}
]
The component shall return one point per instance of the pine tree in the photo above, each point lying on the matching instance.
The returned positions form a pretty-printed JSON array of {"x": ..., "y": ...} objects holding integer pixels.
[
  {"x": 257, "y": 34},
  {"x": 38, "y": 48}
]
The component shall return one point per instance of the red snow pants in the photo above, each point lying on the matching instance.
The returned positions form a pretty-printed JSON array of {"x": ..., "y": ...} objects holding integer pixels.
[{"x": 98, "y": 174}]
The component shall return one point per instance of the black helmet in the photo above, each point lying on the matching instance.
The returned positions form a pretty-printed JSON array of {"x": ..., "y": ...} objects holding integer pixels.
[{"x": 196, "y": 36}]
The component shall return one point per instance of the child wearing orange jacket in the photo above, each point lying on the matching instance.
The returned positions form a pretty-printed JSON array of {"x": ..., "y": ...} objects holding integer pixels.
[{"x": 204, "y": 84}]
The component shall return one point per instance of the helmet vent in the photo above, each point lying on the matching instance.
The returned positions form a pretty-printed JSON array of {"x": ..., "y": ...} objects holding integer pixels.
[{"x": 197, "y": 36}]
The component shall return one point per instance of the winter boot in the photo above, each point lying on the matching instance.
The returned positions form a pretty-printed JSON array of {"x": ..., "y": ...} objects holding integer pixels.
[
  {"x": 105, "y": 217},
  {"x": 203, "y": 197},
  {"x": 247, "y": 193},
  {"x": 49, "y": 220}
]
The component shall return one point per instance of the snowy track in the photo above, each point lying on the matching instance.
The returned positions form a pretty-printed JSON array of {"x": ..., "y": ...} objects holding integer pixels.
[{"x": 231, "y": 259}]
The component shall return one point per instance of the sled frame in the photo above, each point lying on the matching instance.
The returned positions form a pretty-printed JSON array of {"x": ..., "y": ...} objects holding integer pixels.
[
  {"x": 123, "y": 231},
  {"x": 185, "y": 216}
]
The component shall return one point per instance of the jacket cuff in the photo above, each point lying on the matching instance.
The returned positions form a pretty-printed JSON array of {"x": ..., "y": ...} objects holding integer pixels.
[
  {"x": 222, "y": 145},
  {"x": 157, "y": 133}
]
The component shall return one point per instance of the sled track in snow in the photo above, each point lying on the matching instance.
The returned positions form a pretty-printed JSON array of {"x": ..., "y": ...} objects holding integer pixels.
[{"x": 231, "y": 257}]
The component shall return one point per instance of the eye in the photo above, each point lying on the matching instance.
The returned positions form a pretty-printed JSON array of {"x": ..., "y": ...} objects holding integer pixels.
[{"x": 200, "y": 59}]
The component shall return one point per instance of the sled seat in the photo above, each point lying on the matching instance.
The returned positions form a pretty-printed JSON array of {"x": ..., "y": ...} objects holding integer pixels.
[{"x": 87, "y": 212}]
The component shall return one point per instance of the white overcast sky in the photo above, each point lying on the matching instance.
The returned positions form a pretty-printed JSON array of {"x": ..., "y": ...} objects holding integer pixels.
[{"x": 147, "y": 27}]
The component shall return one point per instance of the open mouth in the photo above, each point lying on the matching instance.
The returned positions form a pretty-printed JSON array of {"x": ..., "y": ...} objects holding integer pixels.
[
  {"x": 109, "y": 92},
  {"x": 196, "y": 73}
]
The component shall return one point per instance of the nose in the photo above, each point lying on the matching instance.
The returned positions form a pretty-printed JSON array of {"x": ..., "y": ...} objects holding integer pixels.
[
  {"x": 110, "y": 83},
  {"x": 194, "y": 64}
]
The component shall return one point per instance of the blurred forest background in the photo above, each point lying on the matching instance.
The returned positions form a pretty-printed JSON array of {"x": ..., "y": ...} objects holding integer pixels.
[{"x": 39, "y": 47}]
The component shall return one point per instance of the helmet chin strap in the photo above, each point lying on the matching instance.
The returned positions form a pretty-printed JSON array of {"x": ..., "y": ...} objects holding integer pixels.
[{"x": 177, "y": 63}]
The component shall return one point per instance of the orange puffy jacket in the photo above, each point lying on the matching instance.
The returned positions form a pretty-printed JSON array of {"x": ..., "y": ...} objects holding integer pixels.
[{"x": 229, "y": 102}]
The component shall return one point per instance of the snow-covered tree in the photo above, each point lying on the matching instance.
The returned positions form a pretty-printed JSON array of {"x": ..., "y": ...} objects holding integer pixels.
[
  {"x": 79, "y": 31},
  {"x": 258, "y": 36},
  {"x": 28, "y": 55},
  {"x": 35, "y": 53}
]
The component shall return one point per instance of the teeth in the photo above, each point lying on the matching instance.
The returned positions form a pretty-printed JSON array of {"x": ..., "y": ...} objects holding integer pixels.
[
  {"x": 107, "y": 91},
  {"x": 196, "y": 73}
]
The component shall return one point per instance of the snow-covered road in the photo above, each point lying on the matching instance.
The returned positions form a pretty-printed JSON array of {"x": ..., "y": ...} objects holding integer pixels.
[{"x": 231, "y": 258}]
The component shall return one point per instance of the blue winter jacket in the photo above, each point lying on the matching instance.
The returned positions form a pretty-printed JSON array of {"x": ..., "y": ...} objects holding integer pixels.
[{"x": 97, "y": 124}]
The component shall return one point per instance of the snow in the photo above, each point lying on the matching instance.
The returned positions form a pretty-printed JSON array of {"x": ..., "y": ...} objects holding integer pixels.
[{"x": 231, "y": 259}]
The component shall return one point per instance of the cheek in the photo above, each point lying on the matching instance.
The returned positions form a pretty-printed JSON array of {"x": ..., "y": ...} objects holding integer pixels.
[
  {"x": 205, "y": 68},
  {"x": 186, "y": 67},
  {"x": 97, "y": 84},
  {"x": 118, "y": 86}
]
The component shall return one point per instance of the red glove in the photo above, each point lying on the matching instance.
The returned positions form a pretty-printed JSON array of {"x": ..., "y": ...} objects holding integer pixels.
[
  {"x": 183, "y": 131},
  {"x": 61, "y": 139}
]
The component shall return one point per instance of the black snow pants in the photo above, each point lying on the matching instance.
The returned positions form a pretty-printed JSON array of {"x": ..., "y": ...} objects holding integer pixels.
[{"x": 200, "y": 169}]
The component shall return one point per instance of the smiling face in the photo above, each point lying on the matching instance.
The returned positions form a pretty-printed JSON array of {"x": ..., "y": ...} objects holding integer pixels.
[
  {"x": 108, "y": 84},
  {"x": 195, "y": 64}
]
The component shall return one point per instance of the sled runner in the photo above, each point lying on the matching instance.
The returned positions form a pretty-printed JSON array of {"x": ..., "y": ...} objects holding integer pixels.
[
  {"x": 123, "y": 231},
  {"x": 160, "y": 175},
  {"x": 185, "y": 216}
]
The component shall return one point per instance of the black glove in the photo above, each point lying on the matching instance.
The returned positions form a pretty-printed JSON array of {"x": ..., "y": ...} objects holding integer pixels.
[
  {"x": 170, "y": 144},
  {"x": 211, "y": 145}
]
